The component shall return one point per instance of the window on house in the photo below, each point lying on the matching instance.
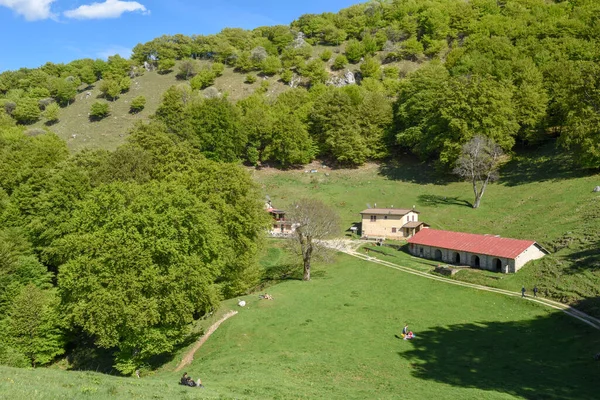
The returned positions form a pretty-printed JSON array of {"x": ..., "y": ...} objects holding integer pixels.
[
  {"x": 385, "y": 217},
  {"x": 393, "y": 230},
  {"x": 373, "y": 218}
]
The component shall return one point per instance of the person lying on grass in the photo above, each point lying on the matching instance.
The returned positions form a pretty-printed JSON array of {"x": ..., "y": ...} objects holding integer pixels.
[{"x": 187, "y": 381}]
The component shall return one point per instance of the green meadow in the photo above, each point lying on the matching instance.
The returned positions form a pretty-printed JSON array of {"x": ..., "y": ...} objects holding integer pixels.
[{"x": 335, "y": 338}]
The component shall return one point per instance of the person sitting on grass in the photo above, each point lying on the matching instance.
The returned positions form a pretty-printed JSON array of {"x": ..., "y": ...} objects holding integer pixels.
[{"x": 409, "y": 336}]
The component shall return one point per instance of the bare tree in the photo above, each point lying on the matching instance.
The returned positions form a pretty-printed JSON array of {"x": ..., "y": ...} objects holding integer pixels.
[
  {"x": 314, "y": 221},
  {"x": 478, "y": 163}
]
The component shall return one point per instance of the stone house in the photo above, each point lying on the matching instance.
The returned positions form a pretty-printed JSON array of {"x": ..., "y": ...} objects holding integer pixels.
[
  {"x": 489, "y": 252},
  {"x": 280, "y": 225},
  {"x": 390, "y": 223}
]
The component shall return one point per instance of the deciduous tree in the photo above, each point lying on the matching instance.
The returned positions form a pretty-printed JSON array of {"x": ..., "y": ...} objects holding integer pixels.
[
  {"x": 314, "y": 221},
  {"x": 478, "y": 164}
]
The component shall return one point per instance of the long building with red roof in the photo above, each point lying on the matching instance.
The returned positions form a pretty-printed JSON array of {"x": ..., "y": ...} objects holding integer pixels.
[{"x": 489, "y": 252}]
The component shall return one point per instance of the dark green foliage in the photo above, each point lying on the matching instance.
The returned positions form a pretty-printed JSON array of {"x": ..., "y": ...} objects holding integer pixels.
[
  {"x": 99, "y": 110},
  {"x": 137, "y": 104}
]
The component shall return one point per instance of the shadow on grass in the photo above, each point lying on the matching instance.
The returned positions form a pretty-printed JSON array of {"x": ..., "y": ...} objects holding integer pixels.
[
  {"x": 88, "y": 357},
  {"x": 587, "y": 259},
  {"x": 523, "y": 358},
  {"x": 410, "y": 169},
  {"x": 433, "y": 200},
  {"x": 539, "y": 164}
]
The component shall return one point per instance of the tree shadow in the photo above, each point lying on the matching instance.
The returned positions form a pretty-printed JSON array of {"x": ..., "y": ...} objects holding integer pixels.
[
  {"x": 433, "y": 200},
  {"x": 410, "y": 169},
  {"x": 587, "y": 259},
  {"x": 539, "y": 164},
  {"x": 520, "y": 358}
]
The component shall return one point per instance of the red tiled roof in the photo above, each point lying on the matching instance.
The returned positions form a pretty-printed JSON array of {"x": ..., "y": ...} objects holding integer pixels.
[{"x": 479, "y": 244}]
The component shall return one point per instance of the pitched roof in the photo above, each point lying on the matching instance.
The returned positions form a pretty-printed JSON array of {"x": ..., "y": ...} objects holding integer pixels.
[
  {"x": 414, "y": 224},
  {"x": 472, "y": 243},
  {"x": 388, "y": 211}
]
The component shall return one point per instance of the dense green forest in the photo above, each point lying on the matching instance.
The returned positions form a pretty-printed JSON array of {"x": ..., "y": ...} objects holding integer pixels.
[{"x": 122, "y": 250}]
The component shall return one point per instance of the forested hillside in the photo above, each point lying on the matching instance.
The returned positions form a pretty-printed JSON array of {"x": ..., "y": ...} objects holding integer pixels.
[
  {"x": 119, "y": 251},
  {"x": 515, "y": 71}
]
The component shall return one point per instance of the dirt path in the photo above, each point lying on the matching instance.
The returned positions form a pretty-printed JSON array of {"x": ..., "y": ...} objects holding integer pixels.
[
  {"x": 189, "y": 357},
  {"x": 583, "y": 317}
]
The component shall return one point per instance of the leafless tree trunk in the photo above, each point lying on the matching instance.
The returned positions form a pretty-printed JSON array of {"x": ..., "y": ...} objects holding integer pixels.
[
  {"x": 313, "y": 221},
  {"x": 478, "y": 163}
]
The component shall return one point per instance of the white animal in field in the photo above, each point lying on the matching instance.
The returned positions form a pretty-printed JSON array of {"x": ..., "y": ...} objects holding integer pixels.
[{"x": 242, "y": 303}]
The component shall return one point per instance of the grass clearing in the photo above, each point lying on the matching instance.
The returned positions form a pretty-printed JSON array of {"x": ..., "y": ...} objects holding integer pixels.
[
  {"x": 334, "y": 338},
  {"x": 540, "y": 196}
]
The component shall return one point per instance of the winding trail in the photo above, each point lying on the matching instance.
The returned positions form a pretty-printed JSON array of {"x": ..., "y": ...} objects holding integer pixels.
[
  {"x": 189, "y": 356},
  {"x": 350, "y": 249}
]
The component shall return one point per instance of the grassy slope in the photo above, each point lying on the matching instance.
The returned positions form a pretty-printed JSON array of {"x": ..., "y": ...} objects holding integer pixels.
[
  {"x": 334, "y": 338},
  {"x": 540, "y": 197},
  {"x": 110, "y": 132}
]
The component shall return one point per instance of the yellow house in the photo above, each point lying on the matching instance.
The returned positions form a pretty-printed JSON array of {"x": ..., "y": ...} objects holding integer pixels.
[{"x": 390, "y": 223}]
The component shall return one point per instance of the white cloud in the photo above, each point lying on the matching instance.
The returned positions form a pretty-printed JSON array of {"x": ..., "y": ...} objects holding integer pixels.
[
  {"x": 108, "y": 9},
  {"x": 32, "y": 10}
]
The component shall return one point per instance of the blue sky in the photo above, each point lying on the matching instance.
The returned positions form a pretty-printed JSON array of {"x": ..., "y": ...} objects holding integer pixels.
[{"x": 36, "y": 31}]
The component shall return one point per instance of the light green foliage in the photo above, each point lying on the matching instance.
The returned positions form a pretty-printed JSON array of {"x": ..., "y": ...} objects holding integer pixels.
[
  {"x": 349, "y": 124},
  {"x": 99, "y": 110},
  {"x": 137, "y": 104},
  {"x": 244, "y": 62},
  {"x": 218, "y": 68},
  {"x": 354, "y": 51},
  {"x": 369, "y": 44},
  {"x": 34, "y": 325},
  {"x": 370, "y": 68},
  {"x": 27, "y": 111},
  {"x": 287, "y": 76},
  {"x": 125, "y": 84},
  {"x": 339, "y": 62},
  {"x": 326, "y": 55},
  {"x": 155, "y": 256},
  {"x": 250, "y": 78},
  {"x": 204, "y": 79},
  {"x": 412, "y": 49},
  {"x": 315, "y": 71},
  {"x": 582, "y": 122},
  {"x": 110, "y": 88},
  {"x": 165, "y": 65},
  {"x": 271, "y": 65},
  {"x": 187, "y": 69},
  {"x": 212, "y": 126},
  {"x": 51, "y": 113}
]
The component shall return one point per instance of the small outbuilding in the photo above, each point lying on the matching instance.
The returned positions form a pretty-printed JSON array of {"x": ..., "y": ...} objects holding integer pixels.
[
  {"x": 390, "y": 223},
  {"x": 489, "y": 252}
]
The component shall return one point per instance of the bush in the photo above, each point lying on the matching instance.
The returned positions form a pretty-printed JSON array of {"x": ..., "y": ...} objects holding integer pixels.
[
  {"x": 250, "y": 78},
  {"x": 271, "y": 65},
  {"x": 51, "y": 113},
  {"x": 110, "y": 88},
  {"x": 286, "y": 76},
  {"x": 98, "y": 111},
  {"x": 137, "y": 104},
  {"x": 370, "y": 68},
  {"x": 165, "y": 65},
  {"x": 125, "y": 84},
  {"x": 204, "y": 79},
  {"x": 218, "y": 68},
  {"x": 340, "y": 62},
  {"x": 326, "y": 55},
  {"x": 27, "y": 111},
  {"x": 264, "y": 86}
]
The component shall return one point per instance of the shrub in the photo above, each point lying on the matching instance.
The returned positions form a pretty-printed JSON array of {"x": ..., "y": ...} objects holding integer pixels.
[
  {"x": 137, "y": 104},
  {"x": 286, "y": 76},
  {"x": 125, "y": 84},
  {"x": 204, "y": 79},
  {"x": 98, "y": 111},
  {"x": 218, "y": 68},
  {"x": 27, "y": 111},
  {"x": 340, "y": 62},
  {"x": 326, "y": 55},
  {"x": 165, "y": 65},
  {"x": 250, "y": 78},
  {"x": 51, "y": 113},
  {"x": 271, "y": 65}
]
